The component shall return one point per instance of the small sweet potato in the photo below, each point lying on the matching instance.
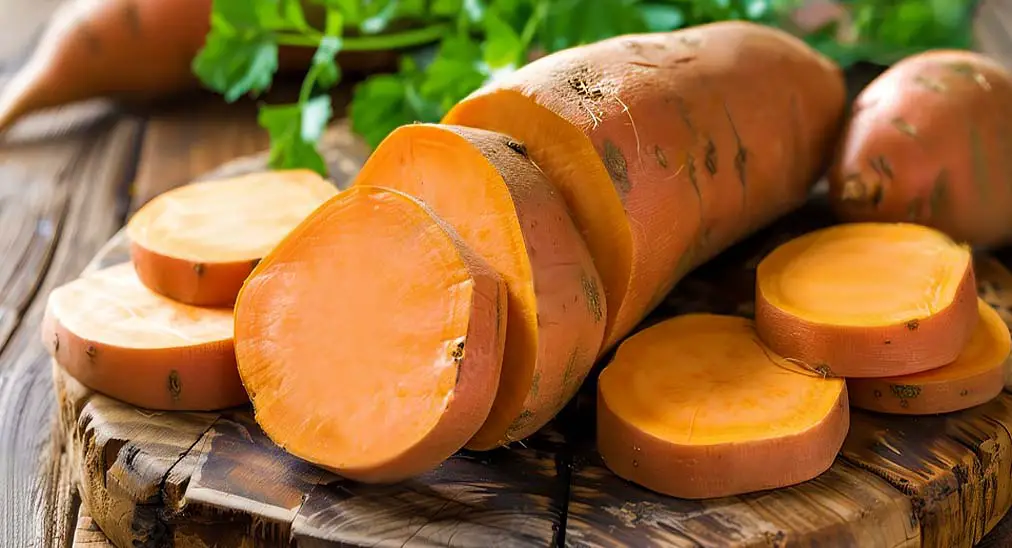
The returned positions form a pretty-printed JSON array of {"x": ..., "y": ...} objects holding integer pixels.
[{"x": 930, "y": 141}]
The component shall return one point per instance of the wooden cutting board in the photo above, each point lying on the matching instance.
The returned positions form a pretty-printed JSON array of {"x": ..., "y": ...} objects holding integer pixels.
[{"x": 213, "y": 479}]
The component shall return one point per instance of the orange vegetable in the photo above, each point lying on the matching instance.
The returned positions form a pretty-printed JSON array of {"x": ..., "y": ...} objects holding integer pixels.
[
  {"x": 668, "y": 147},
  {"x": 697, "y": 407},
  {"x": 975, "y": 377},
  {"x": 929, "y": 141},
  {"x": 483, "y": 184},
  {"x": 371, "y": 338},
  {"x": 117, "y": 337},
  {"x": 197, "y": 243},
  {"x": 867, "y": 299}
]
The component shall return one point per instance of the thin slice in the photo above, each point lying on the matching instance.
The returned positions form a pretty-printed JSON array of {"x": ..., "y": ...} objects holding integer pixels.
[
  {"x": 483, "y": 184},
  {"x": 975, "y": 377},
  {"x": 868, "y": 299},
  {"x": 697, "y": 407},
  {"x": 117, "y": 337},
  {"x": 197, "y": 244},
  {"x": 371, "y": 338},
  {"x": 994, "y": 284},
  {"x": 657, "y": 144}
]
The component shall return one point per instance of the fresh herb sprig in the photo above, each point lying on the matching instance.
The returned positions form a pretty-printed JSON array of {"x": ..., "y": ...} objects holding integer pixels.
[{"x": 449, "y": 48}]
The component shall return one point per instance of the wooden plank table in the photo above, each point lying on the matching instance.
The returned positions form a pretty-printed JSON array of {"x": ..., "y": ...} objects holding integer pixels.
[{"x": 68, "y": 179}]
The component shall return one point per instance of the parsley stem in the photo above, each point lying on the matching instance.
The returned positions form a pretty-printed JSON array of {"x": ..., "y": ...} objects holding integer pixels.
[{"x": 414, "y": 37}]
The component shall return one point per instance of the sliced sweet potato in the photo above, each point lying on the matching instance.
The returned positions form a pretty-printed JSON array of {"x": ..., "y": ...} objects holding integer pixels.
[
  {"x": 483, "y": 184},
  {"x": 697, "y": 407},
  {"x": 371, "y": 338},
  {"x": 197, "y": 243},
  {"x": 117, "y": 337},
  {"x": 975, "y": 377},
  {"x": 669, "y": 146},
  {"x": 867, "y": 299}
]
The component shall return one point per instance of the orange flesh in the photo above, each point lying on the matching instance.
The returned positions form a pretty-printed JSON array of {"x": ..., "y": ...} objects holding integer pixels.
[
  {"x": 113, "y": 307},
  {"x": 346, "y": 333},
  {"x": 552, "y": 336},
  {"x": 864, "y": 274},
  {"x": 567, "y": 155},
  {"x": 228, "y": 220},
  {"x": 703, "y": 379}
]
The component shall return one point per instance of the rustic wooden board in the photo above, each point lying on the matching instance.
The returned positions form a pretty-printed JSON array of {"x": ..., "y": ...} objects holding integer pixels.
[{"x": 214, "y": 479}]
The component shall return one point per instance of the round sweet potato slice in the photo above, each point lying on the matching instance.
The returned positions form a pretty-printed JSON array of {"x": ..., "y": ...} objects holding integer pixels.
[
  {"x": 119, "y": 338},
  {"x": 371, "y": 338},
  {"x": 975, "y": 377},
  {"x": 867, "y": 299},
  {"x": 483, "y": 184},
  {"x": 197, "y": 243},
  {"x": 697, "y": 407}
]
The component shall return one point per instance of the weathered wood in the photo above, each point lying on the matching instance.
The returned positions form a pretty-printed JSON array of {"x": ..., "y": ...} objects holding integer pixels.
[{"x": 88, "y": 535}]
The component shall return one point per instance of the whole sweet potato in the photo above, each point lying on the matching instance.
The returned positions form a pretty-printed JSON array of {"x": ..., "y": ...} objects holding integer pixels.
[{"x": 930, "y": 141}]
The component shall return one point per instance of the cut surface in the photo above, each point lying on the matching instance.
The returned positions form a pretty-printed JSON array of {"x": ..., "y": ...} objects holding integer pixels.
[
  {"x": 118, "y": 337},
  {"x": 689, "y": 406},
  {"x": 484, "y": 186},
  {"x": 865, "y": 274},
  {"x": 976, "y": 376},
  {"x": 867, "y": 299},
  {"x": 371, "y": 338},
  {"x": 197, "y": 243}
]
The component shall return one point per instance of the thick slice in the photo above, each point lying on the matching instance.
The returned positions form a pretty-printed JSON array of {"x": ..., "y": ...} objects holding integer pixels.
[
  {"x": 117, "y": 337},
  {"x": 198, "y": 243},
  {"x": 975, "y": 377},
  {"x": 483, "y": 184},
  {"x": 371, "y": 338},
  {"x": 668, "y": 147},
  {"x": 868, "y": 299},
  {"x": 697, "y": 407},
  {"x": 930, "y": 141}
]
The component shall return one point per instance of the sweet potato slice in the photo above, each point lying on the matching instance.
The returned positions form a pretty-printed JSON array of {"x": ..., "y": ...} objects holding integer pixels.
[
  {"x": 371, "y": 338},
  {"x": 483, "y": 184},
  {"x": 697, "y": 407},
  {"x": 670, "y": 146},
  {"x": 117, "y": 337},
  {"x": 975, "y": 377},
  {"x": 197, "y": 243},
  {"x": 867, "y": 299}
]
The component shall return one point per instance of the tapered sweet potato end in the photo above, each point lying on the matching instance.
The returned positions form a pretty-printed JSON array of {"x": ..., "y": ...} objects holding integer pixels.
[
  {"x": 867, "y": 299},
  {"x": 669, "y": 421},
  {"x": 976, "y": 376}
]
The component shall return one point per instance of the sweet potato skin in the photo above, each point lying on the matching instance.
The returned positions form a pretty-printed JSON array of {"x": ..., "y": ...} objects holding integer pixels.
[
  {"x": 197, "y": 378},
  {"x": 847, "y": 351},
  {"x": 695, "y": 162},
  {"x": 199, "y": 284},
  {"x": 706, "y": 472},
  {"x": 930, "y": 141}
]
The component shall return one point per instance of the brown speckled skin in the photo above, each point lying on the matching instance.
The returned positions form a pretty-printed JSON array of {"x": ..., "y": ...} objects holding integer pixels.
[
  {"x": 698, "y": 472},
  {"x": 888, "y": 350},
  {"x": 197, "y": 284}
]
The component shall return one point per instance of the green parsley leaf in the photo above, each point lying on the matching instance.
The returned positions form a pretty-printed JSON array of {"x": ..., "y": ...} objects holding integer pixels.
[
  {"x": 294, "y": 130},
  {"x": 233, "y": 66}
]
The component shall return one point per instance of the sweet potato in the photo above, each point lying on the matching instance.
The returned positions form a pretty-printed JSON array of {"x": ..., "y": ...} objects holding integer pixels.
[
  {"x": 117, "y": 337},
  {"x": 697, "y": 407},
  {"x": 668, "y": 147},
  {"x": 371, "y": 339},
  {"x": 975, "y": 377},
  {"x": 134, "y": 50},
  {"x": 483, "y": 184},
  {"x": 197, "y": 243},
  {"x": 994, "y": 284},
  {"x": 930, "y": 141},
  {"x": 867, "y": 299}
]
